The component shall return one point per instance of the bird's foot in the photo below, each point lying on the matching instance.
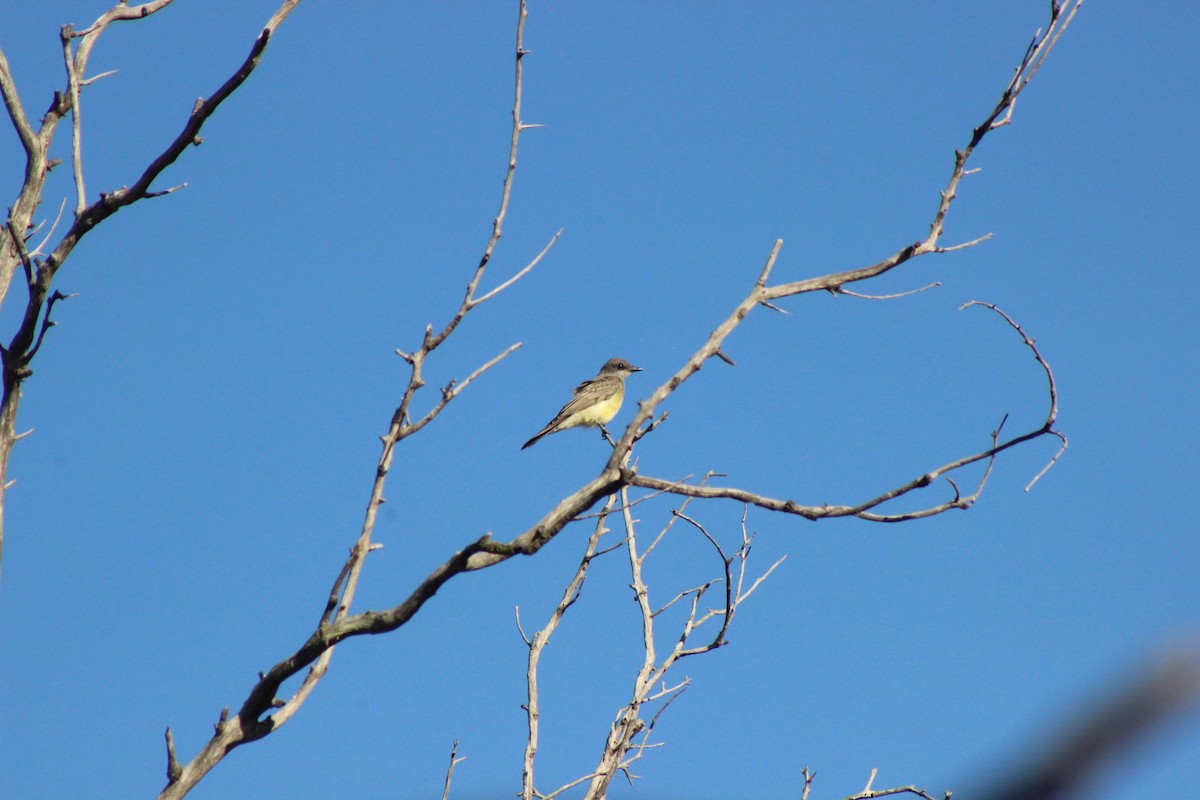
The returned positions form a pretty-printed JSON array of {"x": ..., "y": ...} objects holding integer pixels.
[{"x": 604, "y": 434}]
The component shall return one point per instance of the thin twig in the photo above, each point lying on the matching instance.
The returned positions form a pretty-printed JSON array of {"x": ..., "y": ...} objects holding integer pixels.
[
  {"x": 840, "y": 290},
  {"x": 524, "y": 270},
  {"x": 454, "y": 761},
  {"x": 964, "y": 245},
  {"x": 537, "y": 643},
  {"x": 47, "y": 323},
  {"x": 76, "y": 120},
  {"x": 37, "y": 251},
  {"x": 865, "y": 510},
  {"x": 808, "y": 776},
  {"x": 173, "y": 768},
  {"x": 452, "y": 391},
  {"x": 94, "y": 78}
]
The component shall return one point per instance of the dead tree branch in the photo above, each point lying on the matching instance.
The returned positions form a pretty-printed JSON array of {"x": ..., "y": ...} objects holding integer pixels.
[
  {"x": 865, "y": 510},
  {"x": 868, "y": 793},
  {"x": 263, "y": 711},
  {"x": 613, "y": 477},
  {"x": 40, "y": 271},
  {"x": 537, "y": 643},
  {"x": 629, "y": 735},
  {"x": 454, "y": 762}
]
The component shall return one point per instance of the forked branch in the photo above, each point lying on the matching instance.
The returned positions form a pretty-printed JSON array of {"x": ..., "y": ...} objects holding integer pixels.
[
  {"x": 263, "y": 711},
  {"x": 629, "y": 735},
  {"x": 40, "y": 271},
  {"x": 538, "y": 642},
  {"x": 866, "y": 510}
]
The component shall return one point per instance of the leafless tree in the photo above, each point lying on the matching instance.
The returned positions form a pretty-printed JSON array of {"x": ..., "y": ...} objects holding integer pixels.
[{"x": 40, "y": 252}]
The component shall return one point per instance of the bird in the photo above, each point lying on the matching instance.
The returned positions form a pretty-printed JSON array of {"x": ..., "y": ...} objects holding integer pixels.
[{"x": 596, "y": 401}]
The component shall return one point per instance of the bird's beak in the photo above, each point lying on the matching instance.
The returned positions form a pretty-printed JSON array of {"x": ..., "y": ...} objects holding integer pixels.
[{"x": 634, "y": 369}]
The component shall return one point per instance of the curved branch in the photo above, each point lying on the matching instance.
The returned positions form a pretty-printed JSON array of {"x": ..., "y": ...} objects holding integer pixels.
[
  {"x": 262, "y": 711},
  {"x": 864, "y": 510},
  {"x": 762, "y": 294}
]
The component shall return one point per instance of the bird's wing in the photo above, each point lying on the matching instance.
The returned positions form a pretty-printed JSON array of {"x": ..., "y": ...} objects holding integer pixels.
[
  {"x": 587, "y": 394},
  {"x": 581, "y": 400},
  {"x": 579, "y": 389}
]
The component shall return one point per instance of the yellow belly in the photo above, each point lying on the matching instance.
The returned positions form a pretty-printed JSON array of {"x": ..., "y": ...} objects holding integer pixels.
[{"x": 598, "y": 414}]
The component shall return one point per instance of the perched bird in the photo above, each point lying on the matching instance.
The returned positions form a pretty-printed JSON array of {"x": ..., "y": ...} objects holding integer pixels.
[{"x": 596, "y": 401}]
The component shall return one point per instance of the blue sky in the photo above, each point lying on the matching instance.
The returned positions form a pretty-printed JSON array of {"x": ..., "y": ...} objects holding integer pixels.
[{"x": 207, "y": 412}]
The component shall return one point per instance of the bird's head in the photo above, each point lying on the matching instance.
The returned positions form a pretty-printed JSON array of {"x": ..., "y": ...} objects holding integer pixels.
[{"x": 618, "y": 366}]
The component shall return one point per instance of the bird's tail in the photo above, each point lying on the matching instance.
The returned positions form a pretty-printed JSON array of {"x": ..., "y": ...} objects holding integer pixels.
[
  {"x": 537, "y": 436},
  {"x": 550, "y": 428}
]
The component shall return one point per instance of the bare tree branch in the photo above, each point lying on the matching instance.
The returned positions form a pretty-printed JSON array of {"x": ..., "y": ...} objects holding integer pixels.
[
  {"x": 40, "y": 272},
  {"x": 112, "y": 202},
  {"x": 628, "y": 736},
  {"x": 73, "y": 81},
  {"x": 541, "y": 638},
  {"x": 839, "y": 290},
  {"x": 808, "y": 777},
  {"x": 47, "y": 322},
  {"x": 964, "y": 245},
  {"x": 521, "y": 274},
  {"x": 18, "y": 241},
  {"x": 869, "y": 793},
  {"x": 452, "y": 391},
  {"x": 762, "y": 292},
  {"x": 40, "y": 249},
  {"x": 864, "y": 510},
  {"x": 262, "y": 712},
  {"x": 454, "y": 762},
  {"x": 37, "y": 143},
  {"x": 16, "y": 111}
]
